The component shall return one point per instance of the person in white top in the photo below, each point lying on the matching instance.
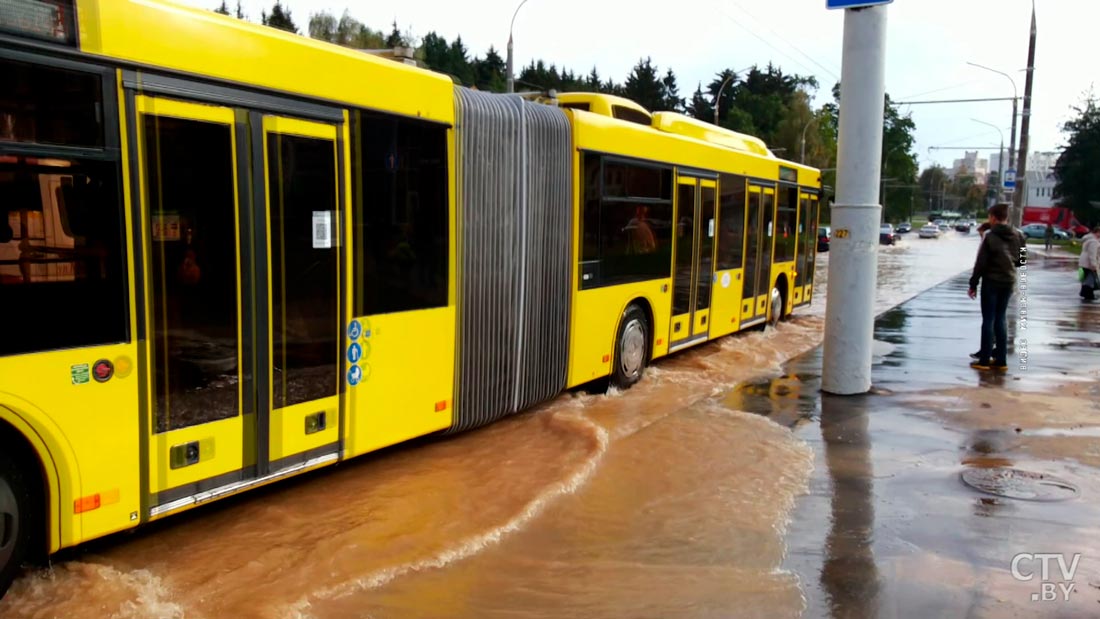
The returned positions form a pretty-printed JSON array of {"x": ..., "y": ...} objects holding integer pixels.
[{"x": 1090, "y": 262}]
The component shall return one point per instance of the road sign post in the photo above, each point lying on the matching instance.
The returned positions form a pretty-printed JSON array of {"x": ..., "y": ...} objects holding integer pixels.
[
  {"x": 853, "y": 262},
  {"x": 1010, "y": 180}
]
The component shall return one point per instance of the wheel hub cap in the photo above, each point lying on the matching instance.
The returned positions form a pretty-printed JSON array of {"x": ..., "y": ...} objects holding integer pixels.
[{"x": 632, "y": 353}]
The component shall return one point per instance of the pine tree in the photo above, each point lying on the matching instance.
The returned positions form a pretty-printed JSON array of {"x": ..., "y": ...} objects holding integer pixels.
[
  {"x": 700, "y": 108},
  {"x": 240, "y": 11},
  {"x": 395, "y": 39},
  {"x": 279, "y": 18},
  {"x": 671, "y": 93},
  {"x": 643, "y": 86},
  {"x": 223, "y": 9}
]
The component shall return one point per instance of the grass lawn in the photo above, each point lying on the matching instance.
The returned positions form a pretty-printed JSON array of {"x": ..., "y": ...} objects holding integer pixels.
[{"x": 1073, "y": 246}]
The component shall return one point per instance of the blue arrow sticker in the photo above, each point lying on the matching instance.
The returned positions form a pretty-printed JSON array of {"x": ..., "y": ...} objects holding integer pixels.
[
  {"x": 354, "y": 330},
  {"x": 355, "y": 374},
  {"x": 355, "y": 352}
]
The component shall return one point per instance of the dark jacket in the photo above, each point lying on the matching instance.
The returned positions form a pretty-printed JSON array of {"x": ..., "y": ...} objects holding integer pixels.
[{"x": 1003, "y": 250}]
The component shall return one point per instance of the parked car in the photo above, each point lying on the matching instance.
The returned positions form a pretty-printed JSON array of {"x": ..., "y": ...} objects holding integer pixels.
[
  {"x": 904, "y": 227},
  {"x": 964, "y": 225},
  {"x": 823, "y": 234},
  {"x": 929, "y": 231},
  {"x": 1039, "y": 231},
  {"x": 886, "y": 235}
]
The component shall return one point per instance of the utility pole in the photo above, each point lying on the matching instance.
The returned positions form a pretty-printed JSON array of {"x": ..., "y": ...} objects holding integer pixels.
[
  {"x": 853, "y": 262},
  {"x": 1017, "y": 211}
]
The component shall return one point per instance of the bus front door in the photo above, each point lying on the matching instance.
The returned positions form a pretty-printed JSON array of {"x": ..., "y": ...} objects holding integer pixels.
[
  {"x": 198, "y": 344},
  {"x": 694, "y": 264}
]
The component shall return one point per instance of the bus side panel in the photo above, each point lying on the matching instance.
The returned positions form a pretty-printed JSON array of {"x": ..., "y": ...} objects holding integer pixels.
[
  {"x": 407, "y": 380},
  {"x": 725, "y": 308},
  {"x": 59, "y": 390},
  {"x": 596, "y": 316},
  {"x": 201, "y": 42}
]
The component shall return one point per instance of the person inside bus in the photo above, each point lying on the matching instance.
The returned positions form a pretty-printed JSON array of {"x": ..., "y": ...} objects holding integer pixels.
[
  {"x": 1089, "y": 261},
  {"x": 1002, "y": 251}
]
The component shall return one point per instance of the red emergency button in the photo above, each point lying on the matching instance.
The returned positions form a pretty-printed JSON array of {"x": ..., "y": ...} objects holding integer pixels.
[{"x": 103, "y": 370}]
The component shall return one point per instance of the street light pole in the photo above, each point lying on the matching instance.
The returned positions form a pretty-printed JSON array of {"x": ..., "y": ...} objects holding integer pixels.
[
  {"x": 1000, "y": 158},
  {"x": 803, "y": 158},
  {"x": 511, "y": 72},
  {"x": 1015, "y": 101},
  {"x": 718, "y": 97}
]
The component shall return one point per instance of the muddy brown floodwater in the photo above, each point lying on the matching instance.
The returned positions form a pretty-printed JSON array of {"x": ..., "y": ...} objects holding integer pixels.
[{"x": 661, "y": 501}]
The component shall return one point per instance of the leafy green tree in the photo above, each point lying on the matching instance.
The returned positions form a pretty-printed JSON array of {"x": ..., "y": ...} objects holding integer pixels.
[
  {"x": 1077, "y": 170},
  {"x": 279, "y": 18},
  {"x": 932, "y": 183},
  {"x": 346, "y": 31},
  {"x": 223, "y": 9}
]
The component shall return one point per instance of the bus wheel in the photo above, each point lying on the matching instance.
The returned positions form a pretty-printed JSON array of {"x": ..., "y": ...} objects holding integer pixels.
[
  {"x": 777, "y": 308},
  {"x": 630, "y": 348},
  {"x": 15, "y": 515}
]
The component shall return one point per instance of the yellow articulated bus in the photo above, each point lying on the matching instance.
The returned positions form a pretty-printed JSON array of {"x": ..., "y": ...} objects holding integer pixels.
[{"x": 229, "y": 255}]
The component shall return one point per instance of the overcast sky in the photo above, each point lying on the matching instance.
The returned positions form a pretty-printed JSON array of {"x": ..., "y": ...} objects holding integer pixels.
[{"x": 928, "y": 45}]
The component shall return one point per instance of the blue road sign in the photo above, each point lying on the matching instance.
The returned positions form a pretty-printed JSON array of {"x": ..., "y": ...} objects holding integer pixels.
[
  {"x": 853, "y": 4},
  {"x": 1010, "y": 179},
  {"x": 355, "y": 374},
  {"x": 355, "y": 329}
]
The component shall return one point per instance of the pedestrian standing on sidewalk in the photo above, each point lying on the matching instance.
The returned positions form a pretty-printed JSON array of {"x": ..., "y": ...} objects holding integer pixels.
[
  {"x": 1002, "y": 251},
  {"x": 1090, "y": 262},
  {"x": 1048, "y": 235}
]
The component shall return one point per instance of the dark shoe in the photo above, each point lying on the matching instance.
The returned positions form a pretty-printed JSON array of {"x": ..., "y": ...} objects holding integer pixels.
[
  {"x": 1000, "y": 367},
  {"x": 978, "y": 355},
  {"x": 980, "y": 365}
]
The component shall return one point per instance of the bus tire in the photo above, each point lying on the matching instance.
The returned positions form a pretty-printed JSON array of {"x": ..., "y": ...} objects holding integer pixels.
[
  {"x": 631, "y": 346},
  {"x": 16, "y": 518},
  {"x": 776, "y": 312}
]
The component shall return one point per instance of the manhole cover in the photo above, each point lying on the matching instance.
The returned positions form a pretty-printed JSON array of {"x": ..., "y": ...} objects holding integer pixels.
[{"x": 1017, "y": 484}]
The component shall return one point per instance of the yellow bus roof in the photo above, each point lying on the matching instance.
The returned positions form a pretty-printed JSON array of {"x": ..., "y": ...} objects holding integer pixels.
[
  {"x": 199, "y": 42},
  {"x": 672, "y": 122}
]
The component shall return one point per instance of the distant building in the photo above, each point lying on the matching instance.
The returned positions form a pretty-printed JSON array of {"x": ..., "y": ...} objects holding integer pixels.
[
  {"x": 1040, "y": 176},
  {"x": 1041, "y": 161},
  {"x": 971, "y": 165}
]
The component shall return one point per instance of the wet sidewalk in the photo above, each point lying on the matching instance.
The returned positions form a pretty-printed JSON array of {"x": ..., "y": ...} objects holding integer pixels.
[{"x": 889, "y": 528}]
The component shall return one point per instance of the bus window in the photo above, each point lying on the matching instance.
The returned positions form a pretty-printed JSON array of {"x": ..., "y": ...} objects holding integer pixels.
[
  {"x": 401, "y": 218},
  {"x": 304, "y": 276},
  {"x": 635, "y": 224},
  {"x": 731, "y": 221},
  {"x": 191, "y": 222},
  {"x": 62, "y": 276},
  {"x": 47, "y": 105},
  {"x": 786, "y": 219}
]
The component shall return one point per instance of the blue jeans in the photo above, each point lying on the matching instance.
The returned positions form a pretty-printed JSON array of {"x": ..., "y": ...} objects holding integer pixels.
[{"x": 994, "y": 306}]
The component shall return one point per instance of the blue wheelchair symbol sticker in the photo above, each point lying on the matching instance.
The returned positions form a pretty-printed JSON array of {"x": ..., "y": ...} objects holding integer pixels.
[
  {"x": 355, "y": 352},
  {"x": 355, "y": 374},
  {"x": 355, "y": 330}
]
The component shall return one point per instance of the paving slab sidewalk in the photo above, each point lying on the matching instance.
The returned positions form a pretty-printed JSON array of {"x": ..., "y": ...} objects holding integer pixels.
[{"x": 889, "y": 528}]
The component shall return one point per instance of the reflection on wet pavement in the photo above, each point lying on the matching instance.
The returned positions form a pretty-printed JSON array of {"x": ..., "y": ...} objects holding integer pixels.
[{"x": 888, "y": 528}]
